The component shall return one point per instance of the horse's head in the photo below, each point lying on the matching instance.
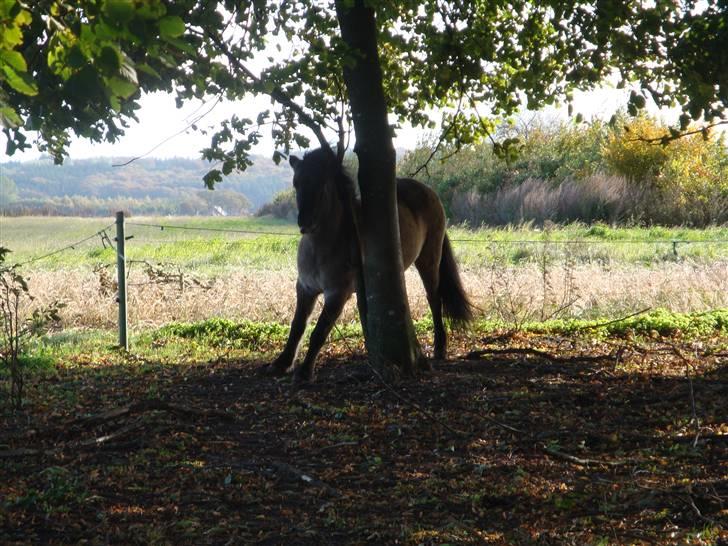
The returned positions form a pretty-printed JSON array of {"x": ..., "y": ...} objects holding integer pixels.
[{"x": 314, "y": 181}]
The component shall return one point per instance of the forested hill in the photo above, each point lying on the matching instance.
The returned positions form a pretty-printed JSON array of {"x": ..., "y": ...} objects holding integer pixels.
[{"x": 146, "y": 186}]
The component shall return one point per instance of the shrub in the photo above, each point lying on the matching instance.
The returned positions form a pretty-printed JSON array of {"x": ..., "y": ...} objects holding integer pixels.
[
  {"x": 584, "y": 172},
  {"x": 16, "y": 327},
  {"x": 684, "y": 181},
  {"x": 283, "y": 206}
]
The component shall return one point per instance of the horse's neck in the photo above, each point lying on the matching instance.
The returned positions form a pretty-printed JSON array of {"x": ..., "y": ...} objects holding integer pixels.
[{"x": 338, "y": 225}]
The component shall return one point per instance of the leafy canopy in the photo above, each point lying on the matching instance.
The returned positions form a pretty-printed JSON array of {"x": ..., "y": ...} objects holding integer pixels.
[{"x": 80, "y": 66}]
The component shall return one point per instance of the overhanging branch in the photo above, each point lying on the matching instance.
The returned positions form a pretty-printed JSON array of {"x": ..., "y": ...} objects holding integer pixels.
[
  {"x": 666, "y": 139},
  {"x": 276, "y": 93}
]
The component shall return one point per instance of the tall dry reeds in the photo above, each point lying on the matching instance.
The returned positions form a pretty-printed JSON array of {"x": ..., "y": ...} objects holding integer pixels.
[
  {"x": 512, "y": 293},
  {"x": 597, "y": 198}
]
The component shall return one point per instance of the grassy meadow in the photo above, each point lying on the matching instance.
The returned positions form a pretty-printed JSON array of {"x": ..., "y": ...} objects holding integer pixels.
[
  {"x": 270, "y": 243},
  {"x": 199, "y": 268}
]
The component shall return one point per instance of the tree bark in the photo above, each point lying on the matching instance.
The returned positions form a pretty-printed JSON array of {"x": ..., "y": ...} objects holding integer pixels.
[{"x": 390, "y": 337}]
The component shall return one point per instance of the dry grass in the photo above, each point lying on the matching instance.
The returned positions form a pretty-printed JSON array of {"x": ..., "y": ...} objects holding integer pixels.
[{"x": 515, "y": 294}]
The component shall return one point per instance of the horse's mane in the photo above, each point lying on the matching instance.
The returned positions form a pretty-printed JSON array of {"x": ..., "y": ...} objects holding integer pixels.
[{"x": 323, "y": 160}]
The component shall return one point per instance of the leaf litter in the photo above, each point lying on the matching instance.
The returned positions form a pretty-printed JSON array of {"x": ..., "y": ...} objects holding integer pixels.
[{"x": 523, "y": 439}]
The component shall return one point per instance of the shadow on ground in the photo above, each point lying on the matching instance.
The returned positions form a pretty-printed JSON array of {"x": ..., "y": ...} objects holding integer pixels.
[{"x": 509, "y": 448}]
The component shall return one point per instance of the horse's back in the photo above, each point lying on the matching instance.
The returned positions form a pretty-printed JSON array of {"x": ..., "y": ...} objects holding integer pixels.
[
  {"x": 421, "y": 218},
  {"x": 419, "y": 198}
]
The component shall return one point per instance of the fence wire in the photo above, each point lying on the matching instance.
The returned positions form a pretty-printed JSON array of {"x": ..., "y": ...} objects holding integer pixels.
[{"x": 105, "y": 239}]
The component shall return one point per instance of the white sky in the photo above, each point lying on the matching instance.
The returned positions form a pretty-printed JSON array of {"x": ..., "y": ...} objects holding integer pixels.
[{"x": 160, "y": 122}]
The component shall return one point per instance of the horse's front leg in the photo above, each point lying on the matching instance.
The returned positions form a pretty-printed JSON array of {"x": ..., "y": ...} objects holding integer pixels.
[
  {"x": 305, "y": 300},
  {"x": 333, "y": 305}
]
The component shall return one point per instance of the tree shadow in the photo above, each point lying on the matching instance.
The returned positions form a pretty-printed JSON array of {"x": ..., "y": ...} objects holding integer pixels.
[{"x": 507, "y": 450}]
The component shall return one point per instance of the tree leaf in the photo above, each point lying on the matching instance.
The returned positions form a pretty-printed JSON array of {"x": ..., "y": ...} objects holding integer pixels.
[
  {"x": 109, "y": 60},
  {"x": 121, "y": 88},
  {"x": 171, "y": 26},
  {"x": 9, "y": 118},
  {"x": 15, "y": 59},
  {"x": 118, "y": 11},
  {"x": 21, "y": 82}
]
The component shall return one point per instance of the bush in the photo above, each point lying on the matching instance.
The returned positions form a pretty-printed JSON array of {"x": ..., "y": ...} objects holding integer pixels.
[
  {"x": 685, "y": 181},
  {"x": 586, "y": 172},
  {"x": 16, "y": 328},
  {"x": 283, "y": 206}
]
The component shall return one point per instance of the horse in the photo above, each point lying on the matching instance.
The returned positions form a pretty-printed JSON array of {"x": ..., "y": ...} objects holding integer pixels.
[{"x": 328, "y": 256}]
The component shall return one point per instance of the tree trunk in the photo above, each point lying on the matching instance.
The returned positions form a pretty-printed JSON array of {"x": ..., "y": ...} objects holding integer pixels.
[{"x": 390, "y": 337}]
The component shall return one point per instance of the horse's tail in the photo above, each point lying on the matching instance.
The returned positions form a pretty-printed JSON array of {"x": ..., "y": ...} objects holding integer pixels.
[{"x": 455, "y": 302}]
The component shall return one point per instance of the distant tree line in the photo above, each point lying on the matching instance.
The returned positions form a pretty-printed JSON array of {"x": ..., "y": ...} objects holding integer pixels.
[
  {"x": 199, "y": 203},
  {"x": 149, "y": 186}
]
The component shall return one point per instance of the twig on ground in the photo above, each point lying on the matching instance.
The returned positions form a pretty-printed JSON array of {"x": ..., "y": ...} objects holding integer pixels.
[
  {"x": 695, "y": 421},
  {"x": 583, "y": 461},
  {"x": 340, "y": 444},
  {"x": 473, "y": 355},
  {"x": 292, "y": 471},
  {"x": 151, "y": 405},
  {"x": 615, "y": 321},
  {"x": 404, "y": 399},
  {"x": 71, "y": 446},
  {"x": 414, "y": 404}
]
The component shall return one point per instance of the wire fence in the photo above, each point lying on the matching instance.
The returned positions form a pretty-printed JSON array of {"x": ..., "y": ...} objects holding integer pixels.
[{"x": 512, "y": 280}]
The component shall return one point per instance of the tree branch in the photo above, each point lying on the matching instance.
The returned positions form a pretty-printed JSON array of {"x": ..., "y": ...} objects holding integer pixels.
[
  {"x": 276, "y": 94},
  {"x": 666, "y": 139}
]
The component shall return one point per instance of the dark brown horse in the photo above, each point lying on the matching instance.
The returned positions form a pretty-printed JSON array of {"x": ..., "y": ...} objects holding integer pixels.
[{"x": 327, "y": 255}]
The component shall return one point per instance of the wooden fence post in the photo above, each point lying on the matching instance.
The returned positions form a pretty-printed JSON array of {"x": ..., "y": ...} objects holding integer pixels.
[{"x": 121, "y": 280}]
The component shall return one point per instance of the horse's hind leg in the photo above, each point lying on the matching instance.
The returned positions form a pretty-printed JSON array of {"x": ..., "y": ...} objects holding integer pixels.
[
  {"x": 428, "y": 265},
  {"x": 305, "y": 301},
  {"x": 333, "y": 305}
]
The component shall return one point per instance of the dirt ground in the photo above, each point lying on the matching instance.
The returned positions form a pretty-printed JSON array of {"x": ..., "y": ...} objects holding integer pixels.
[{"x": 530, "y": 440}]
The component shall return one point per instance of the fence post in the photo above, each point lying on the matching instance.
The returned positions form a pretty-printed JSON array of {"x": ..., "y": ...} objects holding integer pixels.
[{"x": 121, "y": 280}]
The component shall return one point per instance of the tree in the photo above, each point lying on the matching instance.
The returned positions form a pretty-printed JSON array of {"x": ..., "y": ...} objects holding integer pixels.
[
  {"x": 334, "y": 65},
  {"x": 8, "y": 191}
]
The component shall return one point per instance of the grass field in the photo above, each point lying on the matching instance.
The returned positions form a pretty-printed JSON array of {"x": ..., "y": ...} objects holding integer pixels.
[
  {"x": 191, "y": 269},
  {"x": 267, "y": 242}
]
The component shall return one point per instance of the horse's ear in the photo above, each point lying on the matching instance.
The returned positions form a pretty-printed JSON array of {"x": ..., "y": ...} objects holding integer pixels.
[{"x": 294, "y": 162}]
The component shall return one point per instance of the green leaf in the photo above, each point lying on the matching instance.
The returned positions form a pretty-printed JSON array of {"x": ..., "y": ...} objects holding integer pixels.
[
  {"x": 21, "y": 82},
  {"x": 14, "y": 59},
  {"x": 109, "y": 60},
  {"x": 119, "y": 11},
  {"x": 148, "y": 70},
  {"x": 11, "y": 37},
  {"x": 171, "y": 26},
  {"x": 9, "y": 118},
  {"x": 115, "y": 103},
  {"x": 181, "y": 44},
  {"x": 121, "y": 88}
]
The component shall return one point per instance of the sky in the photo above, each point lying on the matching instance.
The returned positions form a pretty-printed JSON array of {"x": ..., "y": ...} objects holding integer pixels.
[{"x": 161, "y": 129}]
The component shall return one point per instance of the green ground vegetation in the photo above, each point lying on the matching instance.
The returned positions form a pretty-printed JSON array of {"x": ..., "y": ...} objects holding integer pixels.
[
  {"x": 271, "y": 243},
  {"x": 219, "y": 339}
]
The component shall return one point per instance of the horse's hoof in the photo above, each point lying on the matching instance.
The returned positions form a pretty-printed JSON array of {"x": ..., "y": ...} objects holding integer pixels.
[
  {"x": 271, "y": 370},
  {"x": 302, "y": 380}
]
